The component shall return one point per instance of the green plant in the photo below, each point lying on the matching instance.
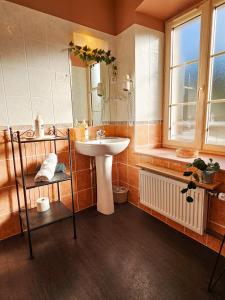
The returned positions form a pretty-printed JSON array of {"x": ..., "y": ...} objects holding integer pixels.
[
  {"x": 87, "y": 54},
  {"x": 198, "y": 164}
]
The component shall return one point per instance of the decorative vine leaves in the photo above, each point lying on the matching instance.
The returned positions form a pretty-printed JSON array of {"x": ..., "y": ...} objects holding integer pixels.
[
  {"x": 189, "y": 199},
  {"x": 188, "y": 173},
  {"x": 198, "y": 164},
  {"x": 183, "y": 191},
  {"x": 87, "y": 54}
]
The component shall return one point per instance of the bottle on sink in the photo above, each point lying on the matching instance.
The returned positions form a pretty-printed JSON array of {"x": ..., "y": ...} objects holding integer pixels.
[{"x": 84, "y": 131}]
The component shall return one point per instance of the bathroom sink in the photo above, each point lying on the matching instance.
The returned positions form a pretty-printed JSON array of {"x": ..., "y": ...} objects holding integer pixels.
[
  {"x": 104, "y": 146},
  {"x": 103, "y": 149}
]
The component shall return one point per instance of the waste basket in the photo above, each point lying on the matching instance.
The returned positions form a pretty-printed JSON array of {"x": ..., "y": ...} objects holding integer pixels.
[{"x": 120, "y": 194}]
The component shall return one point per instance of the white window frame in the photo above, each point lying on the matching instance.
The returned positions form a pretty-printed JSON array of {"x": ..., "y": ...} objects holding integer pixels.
[
  {"x": 210, "y": 147},
  {"x": 199, "y": 10}
]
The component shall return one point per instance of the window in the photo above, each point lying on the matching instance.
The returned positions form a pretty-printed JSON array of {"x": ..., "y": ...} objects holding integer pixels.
[
  {"x": 195, "y": 79},
  {"x": 215, "y": 129},
  {"x": 184, "y": 79}
]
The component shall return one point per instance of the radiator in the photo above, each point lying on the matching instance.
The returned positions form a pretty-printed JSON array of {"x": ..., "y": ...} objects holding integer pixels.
[{"x": 163, "y": 195}]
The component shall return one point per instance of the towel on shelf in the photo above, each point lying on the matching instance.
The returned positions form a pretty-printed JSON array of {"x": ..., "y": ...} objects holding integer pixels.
[
  {"x": 47, "y": 169},
  {"x": 60, "y": 167}
]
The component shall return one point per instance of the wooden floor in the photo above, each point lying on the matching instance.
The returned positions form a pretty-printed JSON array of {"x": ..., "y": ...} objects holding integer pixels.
[{"x": 128, "y": 255}]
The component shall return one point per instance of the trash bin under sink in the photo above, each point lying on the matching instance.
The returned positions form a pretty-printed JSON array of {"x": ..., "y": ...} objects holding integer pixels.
[{"x": 120, "y": 194}]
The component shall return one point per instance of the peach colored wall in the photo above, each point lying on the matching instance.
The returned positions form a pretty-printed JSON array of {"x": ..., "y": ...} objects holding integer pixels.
[
  {"x": 160, "y": 10},
  {"x": 34, "y": 154},
  {"x": 104, "y": 15},
  {"x": 97, "y": 14},
  {"x": 129, "y": 176},
  {"x": 126, "y": 15},
  {"x": 125, "y": 172},
  {"x": 77, "y": 62}
]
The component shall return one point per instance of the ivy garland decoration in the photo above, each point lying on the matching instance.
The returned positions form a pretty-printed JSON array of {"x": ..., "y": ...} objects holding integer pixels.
[{"x": 87, "y": 54}]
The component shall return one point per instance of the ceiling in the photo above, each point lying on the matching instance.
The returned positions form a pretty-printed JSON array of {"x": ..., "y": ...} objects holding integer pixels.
[{"x": 164, "y": 9}]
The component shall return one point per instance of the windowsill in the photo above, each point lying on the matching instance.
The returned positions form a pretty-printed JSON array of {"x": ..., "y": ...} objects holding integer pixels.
[{"x": 170, "y": 154}]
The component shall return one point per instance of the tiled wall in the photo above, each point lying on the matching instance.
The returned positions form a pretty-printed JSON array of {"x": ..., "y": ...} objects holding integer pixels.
[
  {"x": 125, "y": 172},
  {"x": 35, "y": 65},
  {"x": 129, "y": 176},
  {"x": 34, "y": 153}
]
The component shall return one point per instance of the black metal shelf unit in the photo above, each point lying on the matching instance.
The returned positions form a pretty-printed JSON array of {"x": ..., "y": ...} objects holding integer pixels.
[{"x": 29, "y": 217}]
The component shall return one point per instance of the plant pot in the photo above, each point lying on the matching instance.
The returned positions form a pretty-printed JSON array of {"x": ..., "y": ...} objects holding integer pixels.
[{"x": 208, "y": 176}]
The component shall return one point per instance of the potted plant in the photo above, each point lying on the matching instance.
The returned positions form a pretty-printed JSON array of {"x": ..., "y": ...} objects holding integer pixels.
[{"x": 200, "y": 172}]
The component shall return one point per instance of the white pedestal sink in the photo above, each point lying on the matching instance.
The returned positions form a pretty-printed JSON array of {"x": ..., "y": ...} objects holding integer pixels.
[{"x": 103, "y": 150}]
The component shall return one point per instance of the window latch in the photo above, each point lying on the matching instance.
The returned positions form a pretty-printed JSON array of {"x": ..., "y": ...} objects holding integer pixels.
[{"x": 200, "y": 89}]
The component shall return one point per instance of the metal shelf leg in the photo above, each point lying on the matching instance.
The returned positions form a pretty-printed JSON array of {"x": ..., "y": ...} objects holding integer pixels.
[
  {"x": 212, "y": 283},
  {"x": 71, "y": 182}
]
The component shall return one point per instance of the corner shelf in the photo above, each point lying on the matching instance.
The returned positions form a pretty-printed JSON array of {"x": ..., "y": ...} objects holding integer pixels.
[
  {"x": 29, "y": 217},
  {"x": 57, "y": 212}
]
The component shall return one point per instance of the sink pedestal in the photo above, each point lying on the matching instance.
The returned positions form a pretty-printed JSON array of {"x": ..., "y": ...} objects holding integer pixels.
[{"x": 105, "y": 203}]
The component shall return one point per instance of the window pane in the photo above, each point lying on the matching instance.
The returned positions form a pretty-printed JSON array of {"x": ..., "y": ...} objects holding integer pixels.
[
  {"x": 186, "y": 41},
  {"x": 95, "y": 75},
  {"x": 219, "y": 45},
  {"x": 218, "y": 78},
  {"x": 184, "y": 83},
  {"x": 183, "y": 122},
  {"x": 216, "y": 124}
]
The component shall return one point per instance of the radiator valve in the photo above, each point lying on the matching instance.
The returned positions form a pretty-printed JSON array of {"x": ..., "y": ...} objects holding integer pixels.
[{"x": 221, "y": 196}]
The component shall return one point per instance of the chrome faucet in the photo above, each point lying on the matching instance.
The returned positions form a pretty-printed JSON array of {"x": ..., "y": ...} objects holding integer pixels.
[{"x": 100, "y": 134}]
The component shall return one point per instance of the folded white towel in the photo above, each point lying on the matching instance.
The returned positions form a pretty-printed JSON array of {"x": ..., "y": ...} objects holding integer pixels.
[{"x": 47, "y": 169}]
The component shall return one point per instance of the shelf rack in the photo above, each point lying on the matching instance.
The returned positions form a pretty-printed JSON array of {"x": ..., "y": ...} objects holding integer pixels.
[{"x": 29, "y": 217}]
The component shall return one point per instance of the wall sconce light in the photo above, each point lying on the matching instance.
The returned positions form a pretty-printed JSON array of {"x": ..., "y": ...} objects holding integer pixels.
[{"x": 127, "y": 83}]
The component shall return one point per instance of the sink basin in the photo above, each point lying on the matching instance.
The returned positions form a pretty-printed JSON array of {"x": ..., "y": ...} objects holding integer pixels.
[
  {"x": 105, "y": 146},
  {"x": 103, "y": 150}
]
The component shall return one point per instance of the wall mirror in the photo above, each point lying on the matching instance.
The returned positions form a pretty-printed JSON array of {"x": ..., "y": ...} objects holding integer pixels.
[{"x": 90, "y": 92}]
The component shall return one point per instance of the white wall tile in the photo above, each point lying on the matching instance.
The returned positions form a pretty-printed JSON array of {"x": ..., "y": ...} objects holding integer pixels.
[
  {"x": 58, "y": 31},
  {"x": 37, "y": 54},
  {"x": 43, "y": 106},
  {"x": 3, "y": 112},
  {"x": 3, "y": 109},
  {"x": 62, "y": 109},
  {"x": 19, "y": 110},
  {"x": 10, "y": 21},
  {"x": 148, "y": 74},
  {"x": 34, "y": 25},
  {"x": 40, "y": 82},
  {"x": 36, "y": 65},
  {"x": 15, "y": 82},
  {"x": 12, "y": 52},
  {"x": 59, "y": 58}
]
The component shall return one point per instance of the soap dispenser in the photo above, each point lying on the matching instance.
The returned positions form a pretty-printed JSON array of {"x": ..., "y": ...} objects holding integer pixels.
[
  {"x": 39, "y": 127},
  {"x": 86, "y": 133}
]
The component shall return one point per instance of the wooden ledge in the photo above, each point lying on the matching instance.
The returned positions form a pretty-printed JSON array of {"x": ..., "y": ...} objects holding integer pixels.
[{"x": 176, "y": 175}]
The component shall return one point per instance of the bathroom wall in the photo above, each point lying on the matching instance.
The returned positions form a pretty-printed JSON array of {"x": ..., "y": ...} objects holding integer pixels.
[
  {"x": 149, "y": 50},
  {"x": 128, "y": 173},
  {"x": 108, "y": 16},
  {"x": 25, "y": 51},
  {"x": 35, "y": 67},
  {"x": 97, "y": 14},
  {"x": 83, "y": 176},
  {"x": 125, "y": 172},
  {"x": 126, "y": 14},
  {"x": 144, "y": 63},
  {"x": 34, "y": 78},
  {"x": 121, "y": 110}
]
